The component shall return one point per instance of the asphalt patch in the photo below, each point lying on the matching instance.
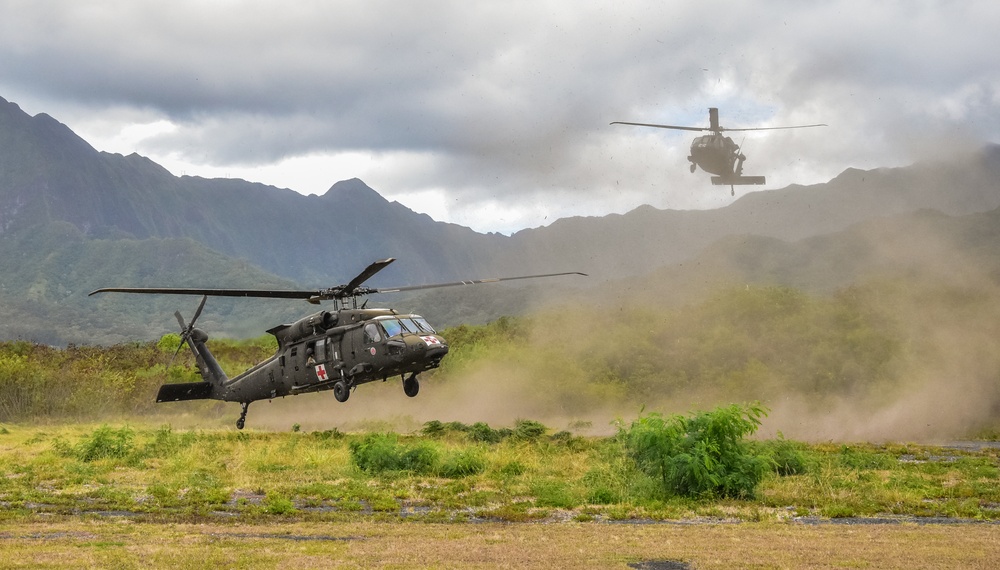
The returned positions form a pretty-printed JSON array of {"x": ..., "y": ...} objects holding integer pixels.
[{"x": 660, "y": 565}]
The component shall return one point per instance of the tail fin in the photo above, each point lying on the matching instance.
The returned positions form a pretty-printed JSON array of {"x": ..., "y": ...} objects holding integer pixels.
[
  {"x": 208, "y": 366},
  {"x": 212, "y": 375}
]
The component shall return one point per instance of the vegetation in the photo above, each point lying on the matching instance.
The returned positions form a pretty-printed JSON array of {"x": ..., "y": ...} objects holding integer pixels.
[
  {"x": 713, "y": 471},
  {"x": 859, "y": 347},
  {"x": 85, "y": 382},
  {"x": 704, "y": 455}
]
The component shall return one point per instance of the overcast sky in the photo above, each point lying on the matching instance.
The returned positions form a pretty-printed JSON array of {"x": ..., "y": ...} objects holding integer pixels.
[{"x": 495, "y": 115}]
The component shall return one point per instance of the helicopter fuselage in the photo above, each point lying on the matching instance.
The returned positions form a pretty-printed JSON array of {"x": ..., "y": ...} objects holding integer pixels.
[
  {"x": 350, "y": 346},
  {"x": 715, "y": 154}
]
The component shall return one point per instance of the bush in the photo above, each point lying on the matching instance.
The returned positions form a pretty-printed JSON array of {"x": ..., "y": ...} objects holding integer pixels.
[
  {"x": 378, "y": 453},
  {"x": 529, "y": 430},
  {"x": 786, "y": 457},
  {"x": 462, "y": 464},
  {"x": 482, "y": 432},
  {"x": 104, "y": 443},
  {"x": 701, "y": 455}
]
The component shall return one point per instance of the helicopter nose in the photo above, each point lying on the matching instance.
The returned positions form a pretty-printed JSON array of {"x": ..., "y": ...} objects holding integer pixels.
[
  {"x": 436, "y": 347},
  {"x": 416, "y": 348}
]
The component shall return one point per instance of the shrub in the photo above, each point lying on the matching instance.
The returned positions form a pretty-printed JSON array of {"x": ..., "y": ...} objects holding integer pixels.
[
  {"x": 484, "y": 433},
  {"x": 786, "y": 457},
  {"x": 378, "y": 453},
  {"x": 529, "y": 430},
  {"x": 462, "y": 464},
  {"x": 104, "y": 443},
  {"x": 701, "y": 455}
]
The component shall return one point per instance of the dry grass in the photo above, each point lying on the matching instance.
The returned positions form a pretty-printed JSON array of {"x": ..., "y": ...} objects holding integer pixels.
[{"x": 365, "y": 543}]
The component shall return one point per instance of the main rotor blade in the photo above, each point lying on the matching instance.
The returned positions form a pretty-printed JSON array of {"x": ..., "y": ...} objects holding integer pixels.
[
  {"x": 776, "y": 128},
  {"x": 675, "y": 127},
  {"x": 367, "y": 274},
  {"x": 352, "y": 289},
  {"x": 263, "y": 293},
  {"x": 472, "y": 282}
]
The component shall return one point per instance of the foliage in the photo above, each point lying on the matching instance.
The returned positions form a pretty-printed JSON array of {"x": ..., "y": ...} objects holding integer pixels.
[
  {"x": 104, "y": 443},
  {"x": 170, "y": 474},
  {"x": 38, "y": 381},
  {"x": 786, "y": 457},
  {"x": 701, "y": 455},
  {"x": 524, "y": 430},
  {"x": 462, "y": 463},
  {"x": 379, "y": 453}
]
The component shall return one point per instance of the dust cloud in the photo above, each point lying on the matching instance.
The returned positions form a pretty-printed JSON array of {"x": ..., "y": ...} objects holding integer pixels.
[{"x": 937, "y": 294}]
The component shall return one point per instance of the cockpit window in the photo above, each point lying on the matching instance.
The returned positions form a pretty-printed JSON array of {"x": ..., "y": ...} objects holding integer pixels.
[
  {"x": 392, "y": 327},
  {"x": 424, "y": 325},
  {"x": 409, "y": 325}
]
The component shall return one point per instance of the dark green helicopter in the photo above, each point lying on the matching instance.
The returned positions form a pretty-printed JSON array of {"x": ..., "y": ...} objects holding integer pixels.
[
  {"x": 718, "y": 154},
  {"x": 330, "y": 350}
]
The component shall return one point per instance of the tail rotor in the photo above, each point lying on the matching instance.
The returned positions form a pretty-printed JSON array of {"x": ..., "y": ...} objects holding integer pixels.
[{"x": 187, "y": 329}]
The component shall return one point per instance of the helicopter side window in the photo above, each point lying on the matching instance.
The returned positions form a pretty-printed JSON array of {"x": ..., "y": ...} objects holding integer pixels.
[
  {"x": 320, "y": 352},
  {"x": 372, "y": 334},
  {"x": 392, "y": 327}
]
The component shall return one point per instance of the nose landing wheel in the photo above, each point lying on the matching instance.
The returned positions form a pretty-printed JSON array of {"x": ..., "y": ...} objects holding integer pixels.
[
  {"x": 341, "y": 391},
  {"x": 411, "y": 386}
]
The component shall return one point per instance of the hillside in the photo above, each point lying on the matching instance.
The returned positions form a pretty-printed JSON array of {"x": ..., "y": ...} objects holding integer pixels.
[{"x": 73, "y": 219}]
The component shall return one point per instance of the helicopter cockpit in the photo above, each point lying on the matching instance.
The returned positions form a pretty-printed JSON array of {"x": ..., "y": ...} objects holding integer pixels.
[{"x": 390, "y": 326}]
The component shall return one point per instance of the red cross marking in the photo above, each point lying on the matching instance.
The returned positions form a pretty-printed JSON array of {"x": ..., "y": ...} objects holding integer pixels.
[{"x": 321, "y": 372}]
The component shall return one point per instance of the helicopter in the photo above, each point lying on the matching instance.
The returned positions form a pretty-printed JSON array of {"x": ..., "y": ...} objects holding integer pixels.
[
  {"x": 329, "y": 350},
  {"x": 718, "y": 154}
]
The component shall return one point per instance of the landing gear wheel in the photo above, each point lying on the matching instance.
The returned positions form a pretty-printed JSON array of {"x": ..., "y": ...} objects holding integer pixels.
[
  {"x": 243, "y": 416},
  {"x": 411, "y": 386},
  {"x": 341, "y": 392}
]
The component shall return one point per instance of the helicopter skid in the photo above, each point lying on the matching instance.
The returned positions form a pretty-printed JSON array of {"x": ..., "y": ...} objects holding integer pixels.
[{"x": 738, "y": 180}]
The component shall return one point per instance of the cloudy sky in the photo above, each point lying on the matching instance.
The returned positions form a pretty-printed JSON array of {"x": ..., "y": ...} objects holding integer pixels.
[{"x": 496, "y": 115}]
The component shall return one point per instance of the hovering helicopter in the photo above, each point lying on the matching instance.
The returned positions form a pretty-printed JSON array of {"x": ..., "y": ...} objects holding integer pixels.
[
  {"x": 718, "y": 154},
  {"x": 330, "y": 350}
]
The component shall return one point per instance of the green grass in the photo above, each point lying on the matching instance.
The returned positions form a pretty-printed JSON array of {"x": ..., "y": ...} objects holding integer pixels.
[{"x": 163, "y": 473}]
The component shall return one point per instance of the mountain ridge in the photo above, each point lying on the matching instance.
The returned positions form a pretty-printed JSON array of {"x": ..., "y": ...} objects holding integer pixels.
[{"x": 255, "y": 232}]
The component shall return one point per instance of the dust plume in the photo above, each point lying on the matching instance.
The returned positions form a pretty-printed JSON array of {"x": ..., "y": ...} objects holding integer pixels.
[{"x": 904, "y": 350}]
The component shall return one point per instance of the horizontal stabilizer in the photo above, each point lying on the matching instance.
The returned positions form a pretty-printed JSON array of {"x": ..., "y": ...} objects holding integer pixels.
[
  {"x": 184, "y": 391},
  {"x": 737, "y": 180}
]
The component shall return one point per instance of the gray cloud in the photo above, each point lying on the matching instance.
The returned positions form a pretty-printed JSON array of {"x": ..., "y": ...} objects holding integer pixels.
[{"x": 505, "y": 100}]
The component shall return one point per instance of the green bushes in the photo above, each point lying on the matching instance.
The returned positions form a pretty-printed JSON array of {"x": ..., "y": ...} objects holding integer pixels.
[
  {"x": 699, "y": 456},
  {"x": 524, "y": 430},
  {"x": 104, "y": 443},
  {"x": 38, "y": 381},
  {"x": 378, "y": 453},
  {"x": 383, "y": 453}
]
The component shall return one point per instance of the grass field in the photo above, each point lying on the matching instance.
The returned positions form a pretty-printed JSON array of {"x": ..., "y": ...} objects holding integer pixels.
[{"x": 134, "y": 495}]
